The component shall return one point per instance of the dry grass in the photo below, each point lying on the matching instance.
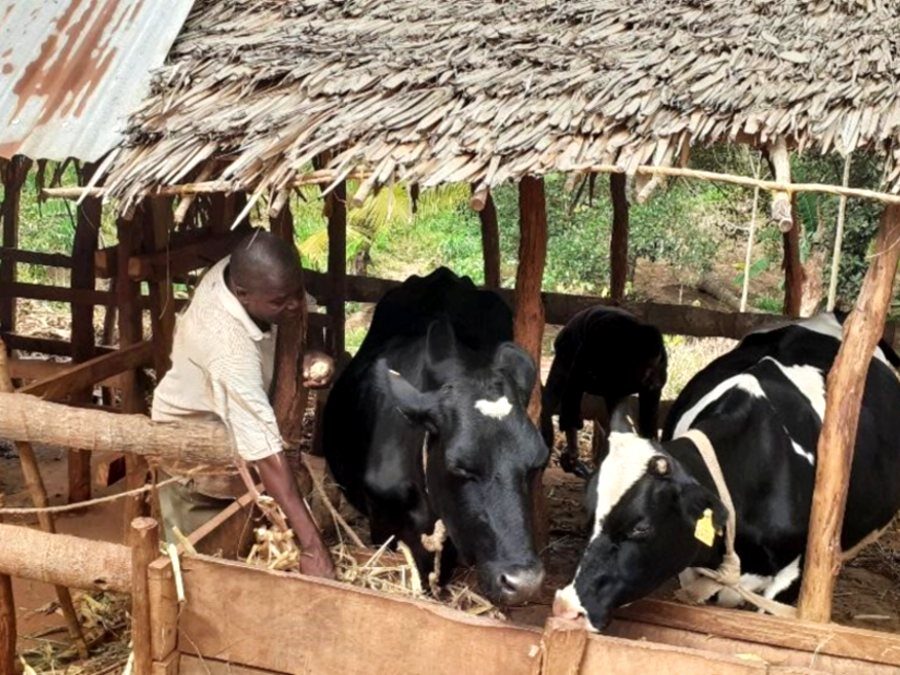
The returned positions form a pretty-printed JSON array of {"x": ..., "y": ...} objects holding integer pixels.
[
  {"x": 107, "y": 630},
  {"x": 688, "y": 356}
]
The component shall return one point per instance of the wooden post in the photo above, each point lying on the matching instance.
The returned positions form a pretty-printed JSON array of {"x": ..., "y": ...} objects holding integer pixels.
[
  {"x": 7, "y": 625},
  {"x": 13, "y": 177},
  {"x": 618, "y": 245},
  {"x": 794, "y": 274},
  {"x": 528, "y": 326},
  {"x": 563, "y": 645},
  {"x": 337, "y": 268},
  {"x": 490, "y": 241},
  {"x": 162, "y": 295},
  {"x": 846, "y": 381},
  {"x": 83, "y": 348},
  {"x": 38, "y": 493},
  {"x": 144, "y": 541},
  {"x": 289, "y": 399},
  {"x": 131, "y": 331}
]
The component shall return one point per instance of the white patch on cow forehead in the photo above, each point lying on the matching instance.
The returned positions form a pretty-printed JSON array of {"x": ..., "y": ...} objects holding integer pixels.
[
  {"x": 496, "y": 409},
  {"x": 626, "y": 463},
  {"x": 743, "y": 381},
  {"x": 808, "y": 380}
]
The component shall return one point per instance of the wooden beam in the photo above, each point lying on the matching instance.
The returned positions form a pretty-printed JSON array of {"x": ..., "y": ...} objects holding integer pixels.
[
  {"x": 31, "y": 370},
  {"x": 846, "y": 381},
  {"x": 618, "y": 246},
  {"x": 105, "y": 262},
  {"x": 337, "y": 268},
  {"x": 26, "y": 343},
  {"x": 490, "y": 237},
  {"x": 13, "y": 177},
  {"x": 176, "y": 261},
  {"x": 87, "y": 231},
  {"x": 8, "y": 633},
  {"x": 563, "y": 645},
  {"x": 64, "y": 560},
  {"x": 36, "y": 258},
  {"x": 26, "y": 418},
  {"x": 528, "y": 324},
  {"x": 86, "y": 375},
  {"x": 302, "y": 624},
  {"x": 56, "y": 294},
  {"x": 794, "y": 274},
  {"x": 163, "y": 608},
  {"x": 844, "y": 642},
  {"x": 157, "y": 225},
  {"x": 144, "y": 543}
]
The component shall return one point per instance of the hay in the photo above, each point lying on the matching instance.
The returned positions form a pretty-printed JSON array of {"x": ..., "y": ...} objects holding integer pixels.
[
  {"x": 382, "y": 571},
  {"x": 107, "y": 630}
]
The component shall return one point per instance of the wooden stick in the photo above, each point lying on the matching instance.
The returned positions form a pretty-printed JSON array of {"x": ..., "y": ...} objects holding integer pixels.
[
  {"x": 144, "y": 543},
  {"x": 838, "y": 237},
  {"x": 845, "y": 385},
  {"x": 751, "y": 237},
  {"x": 794, "y": 274},
  {"x": 528, "y": 326},
  {"x": 563, "y": 644},
  {"x": 13, "y": 177},
  {"x": 64, "y": 560},
  {"x": 162, "y": 293},
  {"x": 780, "y": 160},
  {"x": 36, "y": 257},
  {"x": 58, "y": 386},
  {"x": 8, "y": 634},
  {"x": 38, "y": 493},
  {"x": 186, "y": 201},
  {"x": 490, "y": 238},
  {"x": 337, "y": 269},
  {"x": 618, "y": 246}
]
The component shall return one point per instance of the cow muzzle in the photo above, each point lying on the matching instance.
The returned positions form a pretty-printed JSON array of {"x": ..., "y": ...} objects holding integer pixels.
[{"x": 518, "y": 583}]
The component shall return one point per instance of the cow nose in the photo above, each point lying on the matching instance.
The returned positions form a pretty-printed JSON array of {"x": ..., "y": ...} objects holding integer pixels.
[
  {"x": 564, "y": 608},
  {"x": 519, "y": 584}
]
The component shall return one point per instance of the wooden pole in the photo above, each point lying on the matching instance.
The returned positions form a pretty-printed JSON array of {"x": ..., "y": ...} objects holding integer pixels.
[
  {"x": 846, "y": 382},
  {"x": 618, "y": 247},
  {"x": 162, "y": 295},
  {"x": 87, "y": 231},
  {"x": 490, "y": 239},
  {"x": 838, "y": 237},
  {"x": 131, "y": 331},
  {"x": 13, "y": 177},
  {"x": 794, "y": 274},
  {"x": 38, "y": 493},
  {"x": 8, "y": 633},
  {"x": 337, "y": 268},
  {"x": 528, "y": 326},
  {"x": 144, "y": 543}
]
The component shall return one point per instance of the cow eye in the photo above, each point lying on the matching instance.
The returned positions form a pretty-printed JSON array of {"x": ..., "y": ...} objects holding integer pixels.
[
  {"x": 462, "y": 473},
  {"x": 639, "y": 531}
]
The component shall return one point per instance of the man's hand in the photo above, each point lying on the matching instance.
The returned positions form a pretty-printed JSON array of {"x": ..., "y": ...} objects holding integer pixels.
[
  {"x": 279, "y": 482},
  {"x": 318, "y": 369}
]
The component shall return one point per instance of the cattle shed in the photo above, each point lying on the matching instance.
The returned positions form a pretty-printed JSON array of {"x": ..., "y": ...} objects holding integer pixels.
[{"x": 253, "y": 100}]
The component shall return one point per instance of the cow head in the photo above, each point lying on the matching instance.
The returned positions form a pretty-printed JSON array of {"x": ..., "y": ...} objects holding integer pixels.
[
  {"x": 645, "y": 514},
  {"x": 482, "y": 455}
]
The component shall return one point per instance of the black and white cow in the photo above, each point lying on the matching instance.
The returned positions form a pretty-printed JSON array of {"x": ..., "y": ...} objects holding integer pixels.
[
  {"x": 609, "y": 353},
  {"x": 438, "y": 358},
  {"x": 761, "y": 406}
]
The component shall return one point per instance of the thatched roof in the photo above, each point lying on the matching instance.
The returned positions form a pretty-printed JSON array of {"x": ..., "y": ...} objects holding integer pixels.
[{"x": 481, "y": 90}]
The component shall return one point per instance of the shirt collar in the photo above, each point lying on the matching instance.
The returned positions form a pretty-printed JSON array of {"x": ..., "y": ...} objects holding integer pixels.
[{"x": 231, "y": 303}]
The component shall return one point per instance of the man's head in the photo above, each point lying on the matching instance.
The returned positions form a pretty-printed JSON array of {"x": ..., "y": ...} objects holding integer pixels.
[{"x": 265, "y": 277}]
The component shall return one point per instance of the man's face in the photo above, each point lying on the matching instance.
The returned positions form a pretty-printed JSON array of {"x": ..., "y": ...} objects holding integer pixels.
[{"x": 272, "y": 301}]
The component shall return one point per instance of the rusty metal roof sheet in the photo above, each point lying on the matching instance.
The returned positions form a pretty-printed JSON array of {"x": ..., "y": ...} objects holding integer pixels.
[{"x": 72, "y": 70}]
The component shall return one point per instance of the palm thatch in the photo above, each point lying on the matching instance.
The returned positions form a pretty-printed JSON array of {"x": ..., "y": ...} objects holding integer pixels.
[{"x": 485, "y": 91}]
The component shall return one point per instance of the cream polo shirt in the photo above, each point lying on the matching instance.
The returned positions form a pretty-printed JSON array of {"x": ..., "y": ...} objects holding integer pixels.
[{"x": 222, "y": 366}]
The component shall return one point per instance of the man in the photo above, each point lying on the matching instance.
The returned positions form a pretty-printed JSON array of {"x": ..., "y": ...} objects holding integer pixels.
[{"x": 223, "y": 358}]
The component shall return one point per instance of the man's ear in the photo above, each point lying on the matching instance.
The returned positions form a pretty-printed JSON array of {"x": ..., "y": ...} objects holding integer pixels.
[{"x": 418, "y": 407}]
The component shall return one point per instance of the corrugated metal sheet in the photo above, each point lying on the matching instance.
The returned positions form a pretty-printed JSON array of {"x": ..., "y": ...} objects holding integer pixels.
[{"x": 71, "y": 70}]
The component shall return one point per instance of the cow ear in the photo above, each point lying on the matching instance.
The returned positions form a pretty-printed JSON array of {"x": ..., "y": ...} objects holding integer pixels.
[
  {"x": 696, "y": 499},
  {"x": 419, "y": 407},
  {"x": 622, "y": 419},
  {"x": 515, "y": 363},
  {"x": 440, "y": 342}
]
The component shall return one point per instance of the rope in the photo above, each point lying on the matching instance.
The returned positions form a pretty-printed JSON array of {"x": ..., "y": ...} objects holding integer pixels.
[
  {"x": 91, "y": 502},
  {"x": 728, "y": 574}
]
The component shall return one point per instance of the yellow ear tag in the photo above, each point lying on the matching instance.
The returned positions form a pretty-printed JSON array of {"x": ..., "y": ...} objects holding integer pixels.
[{"x": 705, "y": 530}]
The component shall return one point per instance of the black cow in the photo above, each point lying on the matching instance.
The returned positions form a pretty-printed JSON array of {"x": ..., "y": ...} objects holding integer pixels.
[
  {"x": 761, "y": 406},
  {"x": 605, "y": 352},
  {"x": 438, "y": 358}
]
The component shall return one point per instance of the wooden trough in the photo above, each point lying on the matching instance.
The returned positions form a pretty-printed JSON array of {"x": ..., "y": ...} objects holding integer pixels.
[{"x": 239, "y": 618}]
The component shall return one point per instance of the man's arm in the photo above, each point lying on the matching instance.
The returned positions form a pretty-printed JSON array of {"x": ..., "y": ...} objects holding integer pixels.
[{"x": 279, "y": 482}]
